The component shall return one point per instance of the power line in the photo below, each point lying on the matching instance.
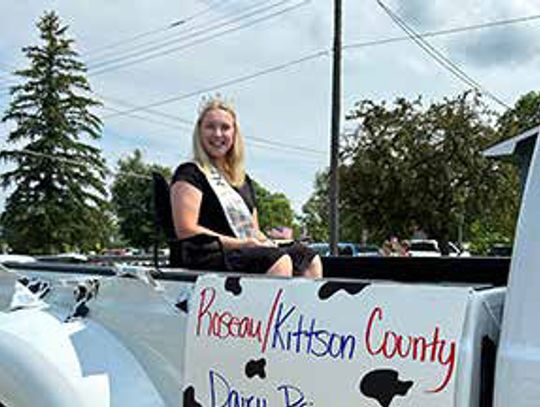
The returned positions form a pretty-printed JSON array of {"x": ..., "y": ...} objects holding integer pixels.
[
  {"x": 153, "y": 55},
  {"x": 150, "y": 119},
  {"x": 383, "y": 41},
  {"x": 439, "y": 57},
  {"x": 107, "y": 170},
  {"x": 180, "y": 22},
  {"x": 257, "y": 141},
  {"x": 428, "y": 34},
  {"x": 448, "y": 31},
  {"x": 304, "y": 59},
  {"x": 78, "y": 163},
  {"x": 145, "y": 109},
  {"x": 151, "y": 45},
  {"x": 230, "y": 82},
  {"x": 321, "y": 53}
]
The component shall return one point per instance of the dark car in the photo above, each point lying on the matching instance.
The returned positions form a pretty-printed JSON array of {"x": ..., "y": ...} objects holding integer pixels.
[{"x": 500, "y": 250}]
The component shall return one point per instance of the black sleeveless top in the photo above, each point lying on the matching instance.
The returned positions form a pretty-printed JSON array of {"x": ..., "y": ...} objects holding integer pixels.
[
  {"x": 211, "y": 213},
  {"x": 202, "y": 251}
]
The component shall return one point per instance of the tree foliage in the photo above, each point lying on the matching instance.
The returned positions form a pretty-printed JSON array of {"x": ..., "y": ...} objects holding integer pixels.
[
  {"x": 523, "y": 116},
  {"x": 315, "y": 212},
  {"x": 409, "y": 163},
  {"x": 59, "y": 198},
  {"x": 132, "y": 200},
  {"x": 273, "y": 208}
]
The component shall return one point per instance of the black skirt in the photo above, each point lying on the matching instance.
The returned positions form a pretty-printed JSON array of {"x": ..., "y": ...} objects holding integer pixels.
[
  {"x": 258, "y": 260},
  {"x": 205, "y": 252}
]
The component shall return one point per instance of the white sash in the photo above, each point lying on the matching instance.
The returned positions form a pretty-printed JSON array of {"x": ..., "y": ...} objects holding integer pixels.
[{"x": 238, "y": 216}]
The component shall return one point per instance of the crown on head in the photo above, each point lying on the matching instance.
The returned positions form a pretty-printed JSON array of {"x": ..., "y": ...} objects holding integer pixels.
[{"x": 208, "y": 100}]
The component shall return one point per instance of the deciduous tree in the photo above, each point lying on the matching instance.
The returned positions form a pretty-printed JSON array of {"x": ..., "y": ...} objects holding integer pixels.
[
  {"x": 132, "y": 199},
  {"x": 273, "y": 208},
  {"x": 408, "y": 162}
]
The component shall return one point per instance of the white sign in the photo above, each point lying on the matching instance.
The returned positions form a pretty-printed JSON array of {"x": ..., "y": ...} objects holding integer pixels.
[{"x": 255, "y": 342}]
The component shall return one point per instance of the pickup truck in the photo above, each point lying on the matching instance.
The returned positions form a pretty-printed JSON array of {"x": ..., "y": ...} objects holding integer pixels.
[{"x": 374, "y": 332}]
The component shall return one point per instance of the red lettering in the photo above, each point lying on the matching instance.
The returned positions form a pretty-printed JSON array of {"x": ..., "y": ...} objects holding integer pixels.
[
  {"x": 389, "y": 348},
  {"x": 377, "y": 312},
  {"x": 399, "y": 345},
  {"x": 224, "y": 324},
  {"x": 271, "y": 317},
  {"x": 203, "y": 307},
  {"x": 416, "y": 348},
  {"x": 449, "y": 362},
  {"x": 419, "y": 343}
]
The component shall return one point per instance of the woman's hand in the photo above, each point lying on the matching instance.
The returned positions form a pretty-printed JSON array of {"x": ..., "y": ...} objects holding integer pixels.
[{"x": 254, "y": 242}]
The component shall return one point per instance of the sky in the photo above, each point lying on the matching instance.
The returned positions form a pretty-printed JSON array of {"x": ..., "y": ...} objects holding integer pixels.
[{"x": 151, "y": 64}]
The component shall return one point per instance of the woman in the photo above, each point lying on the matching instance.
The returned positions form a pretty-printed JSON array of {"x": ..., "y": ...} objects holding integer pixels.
[{"x": 213, "y": 200}]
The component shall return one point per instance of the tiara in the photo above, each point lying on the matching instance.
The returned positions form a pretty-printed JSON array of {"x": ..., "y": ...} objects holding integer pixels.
[{"x": 217, "y": 98}]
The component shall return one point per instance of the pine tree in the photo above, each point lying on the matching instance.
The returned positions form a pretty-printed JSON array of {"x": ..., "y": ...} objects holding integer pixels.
[{"x": 59, "y": 200}]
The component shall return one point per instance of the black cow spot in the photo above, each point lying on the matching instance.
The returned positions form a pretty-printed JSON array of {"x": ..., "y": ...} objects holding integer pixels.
[
  {"x": 232, "y": 284},
  {"x": 256, "y": 368},
  {"x": 81, "y": 310},
  {"x": 182, "y": 306},
  {"x": 331, "y": 287},
  {"x": 189, "y": 398},
  {"x": 383, "y": 385},
  {"x": 37, "y": 287},
  {"x": 45, "y": 291},
  {"x": 80, "y": 293},
  {"x": 24, "y": 280}
]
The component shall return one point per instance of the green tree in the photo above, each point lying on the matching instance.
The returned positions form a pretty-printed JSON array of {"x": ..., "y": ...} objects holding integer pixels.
[
  {"x": 273, "y": 208},
  {"x": 523, "y": 116},
  {"x": 59, "y": 202},
  {"x": 495, "y": 225},
  {"x": 315, "y": 212},
  {"x": 410, "y": 163},
  {"x": 132, "y": 200}
]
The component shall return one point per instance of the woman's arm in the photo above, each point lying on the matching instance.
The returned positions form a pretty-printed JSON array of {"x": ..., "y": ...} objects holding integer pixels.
[
  {"x": 186, "y": 203},
  {"x": 260, "y": 235}
]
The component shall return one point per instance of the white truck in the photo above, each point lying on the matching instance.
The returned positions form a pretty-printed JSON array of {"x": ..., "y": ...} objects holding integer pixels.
[{"x": 79, "y": 336}]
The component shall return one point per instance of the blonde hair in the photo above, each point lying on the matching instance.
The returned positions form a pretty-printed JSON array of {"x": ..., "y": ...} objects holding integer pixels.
[{"x": 234, "y": 169}]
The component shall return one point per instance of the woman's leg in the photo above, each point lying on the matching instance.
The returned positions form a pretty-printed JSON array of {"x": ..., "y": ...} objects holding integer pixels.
[
  {"x": 314, "y": 269},
  {"x": 282, "y": 267}
]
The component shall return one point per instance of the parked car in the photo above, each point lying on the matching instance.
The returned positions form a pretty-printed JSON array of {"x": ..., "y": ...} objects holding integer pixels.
[
  {"x": 346, "y": 249},
  {"x": 431, "y": 248},
  {"x": 64, "y": 258},
  {"x": 16, "y": 258},
  {"x": 424, "y": 248},
  {"x": 368, "y": 250},
  {"x": 500, "y": 250}
]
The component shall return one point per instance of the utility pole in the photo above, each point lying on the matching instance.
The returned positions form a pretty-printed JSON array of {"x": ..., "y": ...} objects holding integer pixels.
[{"x": 334, "y": 146}]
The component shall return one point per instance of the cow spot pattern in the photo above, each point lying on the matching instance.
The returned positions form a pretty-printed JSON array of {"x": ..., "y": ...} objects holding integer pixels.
[
  {"x": 383, "y": 385},
  {"x": 232, "y": 285},
  {"x": 190, "y": 399},
  {"x": 329, "y": 288},
  {"x": 256, "y": 368}
]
